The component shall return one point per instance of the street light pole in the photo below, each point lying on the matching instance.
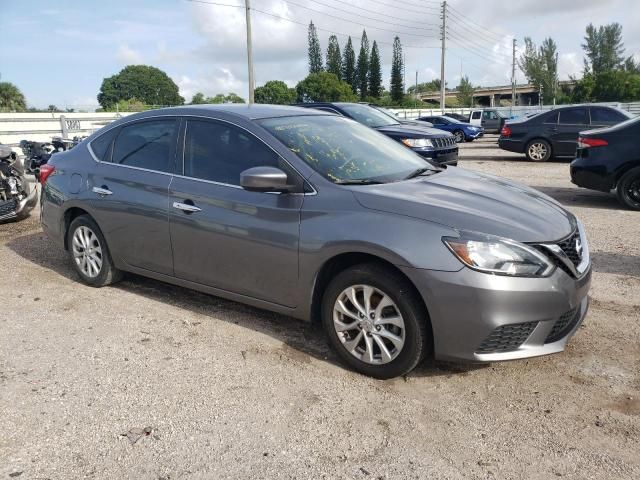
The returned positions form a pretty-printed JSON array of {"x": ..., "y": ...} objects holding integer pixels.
[{"x": 247, "y": 7}]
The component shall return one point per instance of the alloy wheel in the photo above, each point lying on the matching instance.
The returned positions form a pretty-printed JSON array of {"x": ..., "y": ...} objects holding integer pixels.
[
  {"x": 459, "y": 136},
  {"x": 369, "y": 324},
  {"x": 538, "y": 151},
  {"x": 87, "y": 251}
]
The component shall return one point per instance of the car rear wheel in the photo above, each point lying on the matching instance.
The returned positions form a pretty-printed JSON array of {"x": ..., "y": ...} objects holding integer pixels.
[
  {"x": 538, "y": 151},
  {"x": 375, "y": 321},
  {"x": 90, "y": 254},
  {"x": 459, "y": 136},
  {"x": 628, "y": 190}
]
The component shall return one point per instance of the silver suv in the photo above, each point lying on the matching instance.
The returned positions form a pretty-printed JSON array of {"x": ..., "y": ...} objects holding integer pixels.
[{"x": 315, "y": 216}]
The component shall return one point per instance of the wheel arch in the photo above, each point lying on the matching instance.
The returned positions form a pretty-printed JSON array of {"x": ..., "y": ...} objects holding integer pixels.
[
  {"x": 622, "y": 171},
  {"x": 340, "y": 262},
  {"x": 539, "y": 137},
  {"x": 69, "y": 216}
]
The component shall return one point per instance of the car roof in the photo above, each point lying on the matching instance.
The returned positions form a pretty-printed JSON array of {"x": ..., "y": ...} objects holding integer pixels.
[{"x": 250, "y": 112}]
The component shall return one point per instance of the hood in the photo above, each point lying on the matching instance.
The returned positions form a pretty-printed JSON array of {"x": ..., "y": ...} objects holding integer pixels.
[
  {"x": 412, "y": 131},
  {"x": 466, "y": 200}
]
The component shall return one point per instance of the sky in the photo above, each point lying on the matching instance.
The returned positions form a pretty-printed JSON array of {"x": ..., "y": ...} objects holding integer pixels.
[{"x": 59, "y": 51}]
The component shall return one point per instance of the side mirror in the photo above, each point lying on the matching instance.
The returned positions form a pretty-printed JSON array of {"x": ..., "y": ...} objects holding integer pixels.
[{"x": 264, "y": 179}]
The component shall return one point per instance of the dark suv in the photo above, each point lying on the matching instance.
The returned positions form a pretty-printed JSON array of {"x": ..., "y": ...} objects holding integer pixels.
[
  {"x": 428, "y": 142},
  {"x": 555, "y": 133}
]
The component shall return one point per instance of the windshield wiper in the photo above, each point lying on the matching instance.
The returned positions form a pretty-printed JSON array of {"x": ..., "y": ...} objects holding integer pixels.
[
  {"x": 421, "y": 171},
  {"x": 361, "y": 181}
]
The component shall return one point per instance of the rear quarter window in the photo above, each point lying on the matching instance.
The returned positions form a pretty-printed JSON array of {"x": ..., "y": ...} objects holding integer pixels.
[{"x": 101, "y": 146}]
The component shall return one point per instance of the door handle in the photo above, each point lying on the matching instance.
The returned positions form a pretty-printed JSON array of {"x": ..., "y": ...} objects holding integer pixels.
[
  {"x": 103, "y": 190},
  {"x": 186, "y": 207}
]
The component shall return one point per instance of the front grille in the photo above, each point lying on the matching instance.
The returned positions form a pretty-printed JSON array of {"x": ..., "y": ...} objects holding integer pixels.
[
  {"x": 507, "y": 338},
  {"x": 8, "y": 208},
  {"x": 563, "y": 325},
  {"x": 569, "y": 247},
  {"x": 441, "y": 142}
]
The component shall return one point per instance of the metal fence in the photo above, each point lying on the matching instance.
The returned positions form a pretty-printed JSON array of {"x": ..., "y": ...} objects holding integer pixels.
[{"x": 515, "y": 111}]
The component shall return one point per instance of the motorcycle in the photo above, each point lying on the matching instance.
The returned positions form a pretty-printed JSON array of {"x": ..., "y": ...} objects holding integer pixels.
[{"x": 17, "y": 195}]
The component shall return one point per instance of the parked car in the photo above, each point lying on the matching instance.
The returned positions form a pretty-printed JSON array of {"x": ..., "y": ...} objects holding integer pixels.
[
  {"x": 608, "y": 159},
  {"x": 463, "y": 132},
  {"x": 318, "y": 217},
  {"x": 490, "y": 119},
  {"x": 458, "y": 116},
  {"x": 404, "y": 121},
  {"x": 555, "y": 133},
  {"x": 435, "y": 145}
]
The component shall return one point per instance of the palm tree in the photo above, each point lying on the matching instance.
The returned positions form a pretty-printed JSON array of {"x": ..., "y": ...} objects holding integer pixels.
[{"x": 11, "y": 98}]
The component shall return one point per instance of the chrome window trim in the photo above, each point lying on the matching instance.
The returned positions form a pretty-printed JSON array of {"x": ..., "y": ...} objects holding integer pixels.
[{"x": 178, "y": 117}]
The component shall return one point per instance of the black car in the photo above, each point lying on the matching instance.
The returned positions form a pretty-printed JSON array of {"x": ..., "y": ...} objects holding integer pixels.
[
  {"x": 608, "y": 159},
  {"x": 555, "y": 133},
  {"x": 428, "y": 142}
]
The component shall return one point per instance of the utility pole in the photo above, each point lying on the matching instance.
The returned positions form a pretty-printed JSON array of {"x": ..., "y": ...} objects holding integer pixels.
[
  {"x": 247, "y": 7},
  {"x": 444, "y": 37},
  {"x": 514, "y": 100}
]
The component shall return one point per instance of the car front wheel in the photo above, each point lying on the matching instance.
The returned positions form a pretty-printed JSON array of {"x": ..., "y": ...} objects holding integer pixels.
[
  {"x": 375, "y": 321},
  {"x": 459, "y": 136},
  {"x": 628, "y": 190},
  {"x": 90, "y": 254}
]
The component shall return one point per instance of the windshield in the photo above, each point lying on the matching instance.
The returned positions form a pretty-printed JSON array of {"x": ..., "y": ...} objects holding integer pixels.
[
  {"x": 369, "y": 116},
  {"x": 342, "y": 150},
  {"x": 451, "y": 119}
]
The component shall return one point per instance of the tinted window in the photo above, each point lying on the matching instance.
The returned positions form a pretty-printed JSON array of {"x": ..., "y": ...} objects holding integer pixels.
[
  {"x": 427, "y": 119},
  {"x": 490, "y": 115},
  {"x": 327, "y": 109},
  {"x": 476, "y": 115},
  {"x": 101, "y": 146},
  {"x": 573, "y": 116},
  {"x": 368, "y": 116},
  {"x": 553, "y": 118},
  {"x": 146, "y": 145},
  {"x": 219, "y": 152},
  {"x": 605, "y": 115}
]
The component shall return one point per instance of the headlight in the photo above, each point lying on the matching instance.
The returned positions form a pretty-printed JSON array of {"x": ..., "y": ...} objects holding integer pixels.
[
  {"x": 417, "y": 142},
  {"x": 499, "y": 256}
]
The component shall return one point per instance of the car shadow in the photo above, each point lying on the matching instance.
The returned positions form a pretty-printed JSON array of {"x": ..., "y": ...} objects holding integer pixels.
[
  {"x": 616, "y": 263},
  {"x": 305, "y": 340},
  {"x": 579, "y": 197}
]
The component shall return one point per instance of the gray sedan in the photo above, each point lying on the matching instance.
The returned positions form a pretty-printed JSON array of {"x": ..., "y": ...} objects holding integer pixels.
[{"x": 315, "y": 216}]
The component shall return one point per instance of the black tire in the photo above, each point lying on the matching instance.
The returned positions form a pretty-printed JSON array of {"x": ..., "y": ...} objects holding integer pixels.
[
  {"x": 459, "y": 135},
  {"x": 538, "y": 145},
  {"x": 417, "y": 340},
  {"x": 108, "y": 273},
  {"x": 628, "y": 189}
]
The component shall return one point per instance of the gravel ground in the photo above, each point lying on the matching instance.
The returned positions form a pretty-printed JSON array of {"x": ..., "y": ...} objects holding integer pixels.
[{"x": 152, "y": 381}]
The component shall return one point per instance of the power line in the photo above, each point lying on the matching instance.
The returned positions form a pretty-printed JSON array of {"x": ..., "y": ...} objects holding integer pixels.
[
  {"x": 477, "y": 53},
  {"x": 395, "y": 6},
  {"x": 216, "y": 3},
  {"x": 467, "y": 41},
  {"x": 482, "y": 28},
  {"x": 381, "y": 14},
  {"x": 477, "y": 38},
  {"x": 362, "y": 24}
]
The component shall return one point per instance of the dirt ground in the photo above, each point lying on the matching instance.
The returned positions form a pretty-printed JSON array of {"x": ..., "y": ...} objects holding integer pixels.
[{"x": 152, "y": 381}]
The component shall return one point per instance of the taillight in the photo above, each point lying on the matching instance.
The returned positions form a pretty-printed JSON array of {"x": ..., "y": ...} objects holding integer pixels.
[
  {"x": 585, "y": 142},
  {"x": 45, "y": 171},
  {"x": 506, "y": 131}
]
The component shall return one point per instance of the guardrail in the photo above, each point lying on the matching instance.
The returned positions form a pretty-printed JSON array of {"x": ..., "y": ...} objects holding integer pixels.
[{"x": 410, "y": 113}]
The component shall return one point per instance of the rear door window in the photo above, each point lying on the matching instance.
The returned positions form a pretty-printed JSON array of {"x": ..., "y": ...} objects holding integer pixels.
[
  {"x": 574, "y": 116},
  {"x": 606, "y": 116},
  {"x": 147, "y": 144},
  {"x": 101, "y": 146}
]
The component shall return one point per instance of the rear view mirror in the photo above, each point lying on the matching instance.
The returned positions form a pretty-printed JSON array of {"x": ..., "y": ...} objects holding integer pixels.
[{"x": 264, "y": 179}]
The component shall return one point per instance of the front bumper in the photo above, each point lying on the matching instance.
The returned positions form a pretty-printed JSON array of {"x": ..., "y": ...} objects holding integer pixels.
[
  {"x": 478, "y": 317},
  {"x": 444, "y": 156},
  {"x": 473, "y": 135},
  {"x": 14, "y": 209}
]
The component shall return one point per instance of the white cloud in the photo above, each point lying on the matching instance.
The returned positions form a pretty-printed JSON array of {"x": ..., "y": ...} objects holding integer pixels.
[{"x": 128, "y": 55}]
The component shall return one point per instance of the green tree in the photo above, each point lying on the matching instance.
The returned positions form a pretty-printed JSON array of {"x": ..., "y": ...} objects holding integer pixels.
[
  {"x": 465, "y": 92},
  {"x": 11, "y": 98},
  {"x": 540, "y": 66},
  {"x": 334, "y": 59},
  {"x": 149, "y": 85},
  {"x": 349, "y": 66},
  {"x": 324, "y": 87},
  {"x": 603, "y": 48},
  {"x": 375, "y": 72},
  {"x": 130, "y": 105},
  {"x": 198, "y": 99},
  {"x": 397, "y": 84},
  {"x": 275, "y": 92},
  {"x": 362, "y": 67},
  {"x": 234, "y": 98},
  {"x": 315, "y": 52}
]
